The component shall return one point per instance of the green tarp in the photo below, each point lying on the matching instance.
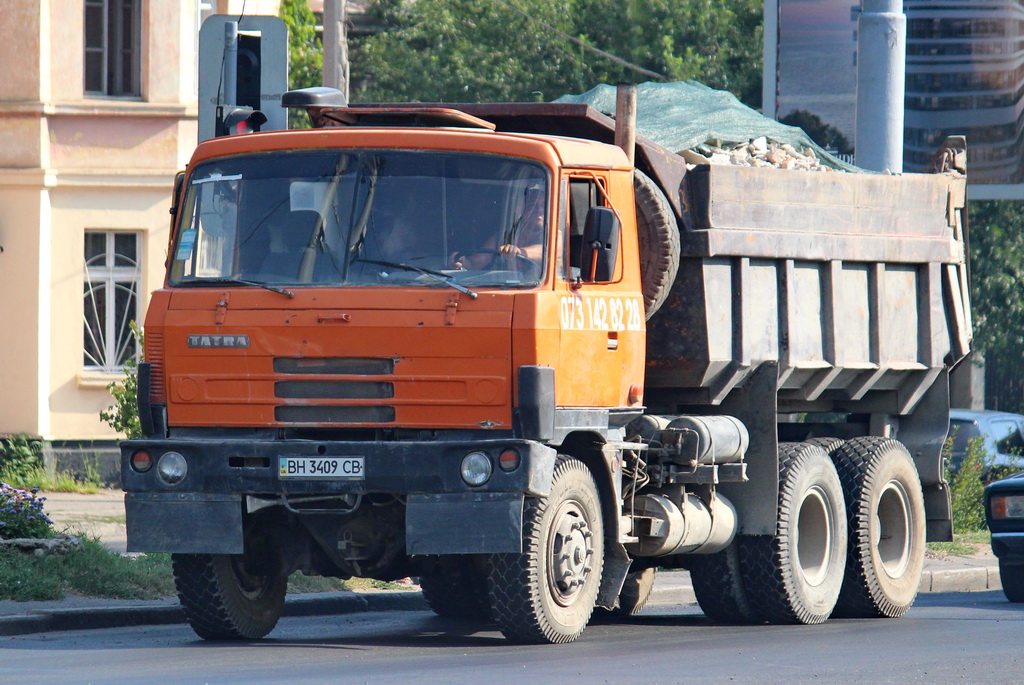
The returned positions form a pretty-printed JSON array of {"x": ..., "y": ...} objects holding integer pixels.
[{"x": 684, "y": 115}]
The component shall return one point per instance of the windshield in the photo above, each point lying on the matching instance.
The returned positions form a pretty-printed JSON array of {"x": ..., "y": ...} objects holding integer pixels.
[{"x": 363, "y": 218}]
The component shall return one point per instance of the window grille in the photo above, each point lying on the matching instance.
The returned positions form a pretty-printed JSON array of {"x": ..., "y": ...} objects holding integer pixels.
[{"x": 112, "y": 278}]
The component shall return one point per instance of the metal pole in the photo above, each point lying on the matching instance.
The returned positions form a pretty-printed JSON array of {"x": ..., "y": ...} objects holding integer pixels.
[
  {"x": 625, "y": 119},
  {"x": 230, "y": 63},
  {"x": 335, "y": 73},
  {"x": 770, "y": 75},
  {"x": 881, "y": 75}
]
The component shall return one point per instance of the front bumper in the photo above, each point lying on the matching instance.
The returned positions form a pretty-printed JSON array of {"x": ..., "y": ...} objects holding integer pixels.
[{"x": 204, "y": 512}]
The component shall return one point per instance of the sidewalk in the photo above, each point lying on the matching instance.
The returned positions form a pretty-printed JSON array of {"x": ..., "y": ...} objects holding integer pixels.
[{"x": 103, "y": 515}]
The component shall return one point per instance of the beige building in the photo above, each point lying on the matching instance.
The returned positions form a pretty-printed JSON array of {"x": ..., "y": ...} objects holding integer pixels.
[{"x": 97, "y": 114}]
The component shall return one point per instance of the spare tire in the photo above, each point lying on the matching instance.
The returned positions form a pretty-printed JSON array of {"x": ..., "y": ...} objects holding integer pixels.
[{"x": 658, "y": 235}]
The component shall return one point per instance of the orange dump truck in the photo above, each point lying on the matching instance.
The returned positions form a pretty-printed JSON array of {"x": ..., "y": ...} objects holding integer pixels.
[{"x": 477, "y": 345}]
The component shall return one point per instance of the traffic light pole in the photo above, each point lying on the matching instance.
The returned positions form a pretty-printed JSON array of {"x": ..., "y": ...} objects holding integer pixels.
[{"x": 230, "y": 63}]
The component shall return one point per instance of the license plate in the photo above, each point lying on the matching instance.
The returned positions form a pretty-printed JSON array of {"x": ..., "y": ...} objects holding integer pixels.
[{"x": 324, "y": 468}]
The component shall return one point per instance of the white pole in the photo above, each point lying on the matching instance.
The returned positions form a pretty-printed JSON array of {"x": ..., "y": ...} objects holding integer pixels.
[
  {"x": 770, "y": 77},
  {"x": 881, "y": 74}
]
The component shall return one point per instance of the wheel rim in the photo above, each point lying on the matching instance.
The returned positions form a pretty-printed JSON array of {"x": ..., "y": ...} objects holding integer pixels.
[
  {"x": 814, "y": 537},
  {"x": 249, "y": 585},
  {"x": 892, "y": 531},
  {"x": 571, "y": 550}
]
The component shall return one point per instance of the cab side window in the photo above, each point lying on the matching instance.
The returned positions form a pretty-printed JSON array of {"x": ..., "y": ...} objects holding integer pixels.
[{"x": 583, "y": 194}]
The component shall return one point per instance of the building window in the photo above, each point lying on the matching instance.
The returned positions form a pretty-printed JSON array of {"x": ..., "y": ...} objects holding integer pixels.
[
  {"x": 111, "y": 299},
  {"x": 112, "y": 58}
]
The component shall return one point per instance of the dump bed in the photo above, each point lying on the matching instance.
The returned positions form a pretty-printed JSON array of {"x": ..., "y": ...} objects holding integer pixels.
[{"x": 854, "y": 283}]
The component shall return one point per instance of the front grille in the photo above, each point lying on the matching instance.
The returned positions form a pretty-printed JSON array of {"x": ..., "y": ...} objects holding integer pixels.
[
  {"x": 334, "y": 390},
  {"x": 354, "y": 366},
  {"x": 155, "y": 356},
  {"x": 304, "y": 414}
]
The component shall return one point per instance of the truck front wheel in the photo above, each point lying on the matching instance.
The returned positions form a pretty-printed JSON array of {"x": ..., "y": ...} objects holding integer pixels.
[
  {"x": 547, "y": 593},
  {"x": 795, "y": 576},
  {"x": 887, "y": 528},
  {"x": 223, "y": 601}
]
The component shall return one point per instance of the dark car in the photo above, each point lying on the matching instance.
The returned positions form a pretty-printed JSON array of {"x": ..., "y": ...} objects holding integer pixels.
[
  {"x": 1002, "y": 435},
  {"x": 1004, "y": 510}
]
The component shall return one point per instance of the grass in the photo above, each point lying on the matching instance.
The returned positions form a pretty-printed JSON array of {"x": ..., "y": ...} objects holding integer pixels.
[
  {"x": 963, "y": 544},
  {"x": 94, "y": 571},
  {"x": 90, "y": 571},
  {"x": 38, "y": 477}
]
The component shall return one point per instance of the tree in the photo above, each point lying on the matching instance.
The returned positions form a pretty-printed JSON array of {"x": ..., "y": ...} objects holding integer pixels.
[
  {"x": 997, "y": 272},
  {"x": 524, "y": 50},
  {"x": 823, "y": 134},
  {"x": 305, "y": 53}
]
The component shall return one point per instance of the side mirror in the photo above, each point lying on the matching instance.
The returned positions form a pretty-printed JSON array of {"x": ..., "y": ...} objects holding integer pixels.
[{"x": 600, "y": 245}]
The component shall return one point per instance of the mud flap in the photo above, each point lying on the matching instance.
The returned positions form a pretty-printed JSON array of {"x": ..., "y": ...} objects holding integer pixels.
[
  {"x": 184, "y": 523},
  {"x": 470, "y": 523}
]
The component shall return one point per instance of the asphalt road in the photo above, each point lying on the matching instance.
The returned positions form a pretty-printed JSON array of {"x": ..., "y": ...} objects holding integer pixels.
[{"x": 946, "y": 638}]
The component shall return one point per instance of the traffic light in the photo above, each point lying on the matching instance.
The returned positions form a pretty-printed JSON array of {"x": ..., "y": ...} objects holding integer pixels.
[{"x": 232, "y": 119}]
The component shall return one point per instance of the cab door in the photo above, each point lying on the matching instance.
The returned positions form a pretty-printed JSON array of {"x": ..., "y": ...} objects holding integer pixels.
[{"x": 601, "y": 340}]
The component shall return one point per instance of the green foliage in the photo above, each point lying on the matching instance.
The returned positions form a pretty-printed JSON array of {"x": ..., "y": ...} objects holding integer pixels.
[
  {"x": 90, "y": 570},
  {"x": 967, "y": 487},
  {"x": 123, "y": 415},
  {"x": 63, "y": 481},
  {"x": 305, "y": 53},
  {"x": 21, "y": 514},
  {"x": 997, "y": 271},
  {"x": 485, "y": 50},
  {"x": 20, "y": 454},
  {"x": 823, "y": 134}
]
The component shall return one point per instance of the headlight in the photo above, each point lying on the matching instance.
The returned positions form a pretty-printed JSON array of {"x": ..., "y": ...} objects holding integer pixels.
[
  {"x": 1007, "y": 506},
  {"x": 476, "y": 468},
  {"x": 172, "y": 468}
]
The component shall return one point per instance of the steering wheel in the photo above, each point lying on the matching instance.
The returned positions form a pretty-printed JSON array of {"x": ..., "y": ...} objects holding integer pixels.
[{"x": 529, "y": 267}]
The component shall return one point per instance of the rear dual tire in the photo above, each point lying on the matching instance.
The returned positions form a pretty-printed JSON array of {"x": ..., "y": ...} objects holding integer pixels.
[{"x": 886, "y": 523}]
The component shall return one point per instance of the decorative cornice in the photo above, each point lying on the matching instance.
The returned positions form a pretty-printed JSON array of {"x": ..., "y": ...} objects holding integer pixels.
[
  {"x": 101, "y": 108},
  {"x": 151, "y": 179}
]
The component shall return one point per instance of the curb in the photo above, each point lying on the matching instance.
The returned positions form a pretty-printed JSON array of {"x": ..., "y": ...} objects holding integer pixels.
[
  {"x": 977, "y": 579},
  {"x": 120, "y": 617}
]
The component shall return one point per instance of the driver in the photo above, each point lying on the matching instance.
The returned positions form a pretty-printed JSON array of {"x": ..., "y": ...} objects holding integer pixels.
[{"x": 525, "y": 240}]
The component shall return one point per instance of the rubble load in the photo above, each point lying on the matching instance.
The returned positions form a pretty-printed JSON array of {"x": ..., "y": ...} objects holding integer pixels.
[{"x": 759, "y": 152}]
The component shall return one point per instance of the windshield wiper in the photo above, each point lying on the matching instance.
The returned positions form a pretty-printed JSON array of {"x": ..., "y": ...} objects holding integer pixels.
[
  {"x": 240, "y": 281},
  {"x": 436, "y": 275}
]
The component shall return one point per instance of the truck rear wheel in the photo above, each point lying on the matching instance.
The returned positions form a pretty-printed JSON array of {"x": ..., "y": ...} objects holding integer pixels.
[
  {"x": 718, "y": 586},
  {"x": 795, "y": 575},
  {"x": 635, "y": 592},
  {"x": 547, "y": 593},
  {"x": 887, "y": 528},
  {"x": 223, "y": 601},
  {"x": 455, "y": 587}
]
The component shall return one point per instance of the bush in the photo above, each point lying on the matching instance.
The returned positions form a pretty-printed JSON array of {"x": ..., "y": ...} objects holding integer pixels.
[
  {"x": 20, "y": 454},
  {"x": 967, "y": 487},
  {"x": 21, "y": 514},
  {"x": 123, "y": 415}
]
